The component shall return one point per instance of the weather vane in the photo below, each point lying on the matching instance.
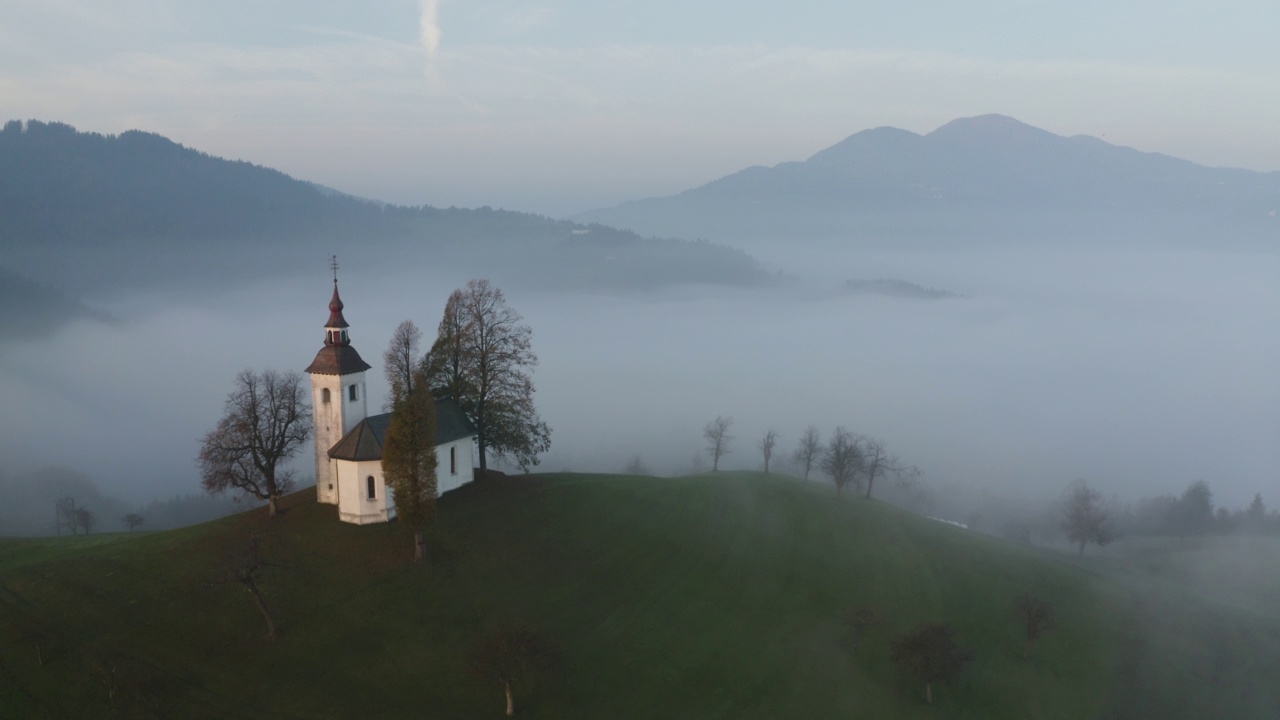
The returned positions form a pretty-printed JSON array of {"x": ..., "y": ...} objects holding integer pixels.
[{"x": 333, "y": 265}]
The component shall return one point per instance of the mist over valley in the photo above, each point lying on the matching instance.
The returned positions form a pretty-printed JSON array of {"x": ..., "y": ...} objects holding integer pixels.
[{"x": 1034, "y": 361}]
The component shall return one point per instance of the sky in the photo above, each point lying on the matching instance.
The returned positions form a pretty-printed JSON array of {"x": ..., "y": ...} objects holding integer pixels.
[{"x": 559, "y": 107}]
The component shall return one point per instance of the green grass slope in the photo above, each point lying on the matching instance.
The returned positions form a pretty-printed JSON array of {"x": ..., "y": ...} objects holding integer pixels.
[{"x": 719, "y": 596}]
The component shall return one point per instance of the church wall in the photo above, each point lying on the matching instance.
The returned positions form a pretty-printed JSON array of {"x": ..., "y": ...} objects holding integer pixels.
[
  {"x": 333, "y": 420},
  {"x": 354, "y": 505},
  {"x": 445, "y": 480}
]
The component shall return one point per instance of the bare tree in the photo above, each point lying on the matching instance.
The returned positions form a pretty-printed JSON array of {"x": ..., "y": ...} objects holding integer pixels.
[
  {"x": 1083, "y": 516},
  {"x": 85, "y": 519},
  {"x": 717, "y": 435},
  {"x": 843, "y": 459},
  {"x": 246, "y": 569},
  {"x": 809, "y": 450},
  {"x": 65, "y": 515},
  {"x": 409, "y": 461},
  {"x": 482, "y": 357},
  {"x": 766, "y": 447},
  {"x": 931, "y": 655},
  {"x": 266, "y": 421},
  {"x": 1035, "y": 614},
  {"x": 636, "y": 466},
  {"x": 133, "y": 520},
  {"x": 877, "y": 462},
  {"x": 401, "y": 360},
  {"x": 509, "y": 653}
]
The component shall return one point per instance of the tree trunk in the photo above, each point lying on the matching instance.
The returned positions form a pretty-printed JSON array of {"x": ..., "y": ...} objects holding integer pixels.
[
  {"x": 272, "y": 509},
  {"x": 262, "y": 608},
  {"x": 419, "y": 545},
  {"x": 511, "y": 699},
  {"x": 480, "y": 441},
  {"x": 928, "y": 693},
  {"x": 871, "y": 482}
]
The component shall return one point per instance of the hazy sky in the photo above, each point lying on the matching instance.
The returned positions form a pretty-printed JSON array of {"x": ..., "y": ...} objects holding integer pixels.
[{"x": 565, "y": 105}]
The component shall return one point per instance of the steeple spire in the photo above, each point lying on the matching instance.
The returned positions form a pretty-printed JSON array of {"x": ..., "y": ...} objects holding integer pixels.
[{"x": 336, "y": 328}]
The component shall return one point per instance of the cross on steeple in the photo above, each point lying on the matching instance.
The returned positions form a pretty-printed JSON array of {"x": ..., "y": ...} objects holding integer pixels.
[{"x": 333, "y": 265}]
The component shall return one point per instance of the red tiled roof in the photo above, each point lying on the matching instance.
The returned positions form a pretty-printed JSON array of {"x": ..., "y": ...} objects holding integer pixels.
[{"x": 337, "y": 360}]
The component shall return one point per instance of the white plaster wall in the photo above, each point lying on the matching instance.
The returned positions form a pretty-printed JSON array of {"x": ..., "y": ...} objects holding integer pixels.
[
  {"x": 354, "y": 505},
  {"x": 446, "y": 481},
  {"x": 327, "y": 419},
  {"x": 331, "y": 422}
]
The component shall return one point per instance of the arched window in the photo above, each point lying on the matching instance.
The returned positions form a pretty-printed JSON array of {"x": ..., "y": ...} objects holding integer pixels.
[
  {"x": 372, "y": 489},
  {"x": 352, "y": 394},
  {"x": 324, "y": 396},
  {"x": 453, "y": 460}
]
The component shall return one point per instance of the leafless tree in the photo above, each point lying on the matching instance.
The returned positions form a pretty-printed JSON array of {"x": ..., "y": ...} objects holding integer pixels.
[
  {"x": 509, "y": 653},
  {"x": 133, "y": 520},
  {"x": 265, "y": 422},
  {"x": 85, "y": 519},
  {"x": 931, "y": 655},
  {"x": 636, "y": 466},
  {"x": 65, "y": 515},
  {"x": 247, "y": 568},
  {"x": 809, "y": 450},
  {"x": 766, "y": 446},
  {"x": 401, "y": 360},
  {"x": 1083, "y": 516},
  {"x": 716, "y": 433},
  {"x": 1035, "y": 614},
  {"x": 843, "y": 459},
  {"x": 482, "y": 357},
  {"x": 877, "y": 462}
]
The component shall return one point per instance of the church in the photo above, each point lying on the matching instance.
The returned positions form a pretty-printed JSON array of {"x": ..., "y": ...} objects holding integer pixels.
[{"x": 349, "y": 441}]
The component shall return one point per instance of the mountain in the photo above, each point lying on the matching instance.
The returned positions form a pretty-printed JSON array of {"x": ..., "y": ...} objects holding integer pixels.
[
  {"x": 107, "y": 212},
  {"x": 989, "y": 177},
  {"x": 33, "y": 309}
]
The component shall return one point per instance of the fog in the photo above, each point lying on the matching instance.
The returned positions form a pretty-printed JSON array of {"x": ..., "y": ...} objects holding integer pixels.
[{"x": 1138, "y": 371}]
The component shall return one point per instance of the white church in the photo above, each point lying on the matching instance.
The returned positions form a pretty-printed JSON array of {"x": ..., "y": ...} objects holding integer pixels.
[{"x": 349, "y": 440}]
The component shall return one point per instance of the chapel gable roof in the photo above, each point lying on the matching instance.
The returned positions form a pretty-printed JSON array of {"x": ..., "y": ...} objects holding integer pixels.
[{"x": 364, "y": 442}]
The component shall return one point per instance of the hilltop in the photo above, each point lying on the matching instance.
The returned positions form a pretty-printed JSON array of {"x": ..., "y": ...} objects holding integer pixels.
[
  {"x": 708, "y": 596},
  {"x": 720, "y": 595},
  {"x": 978, "y": 179}
]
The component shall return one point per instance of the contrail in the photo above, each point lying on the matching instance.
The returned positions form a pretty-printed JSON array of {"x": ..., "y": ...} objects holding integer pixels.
[{"x": 429, "y": 27}]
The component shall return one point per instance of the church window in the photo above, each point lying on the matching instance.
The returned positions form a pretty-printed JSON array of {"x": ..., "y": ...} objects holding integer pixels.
[
  {"x": 324, "y": 396},
  {"x": 372, "y": 488},
  {"x": 453, "y": 461},
  {"x": 351, "y": 393}
]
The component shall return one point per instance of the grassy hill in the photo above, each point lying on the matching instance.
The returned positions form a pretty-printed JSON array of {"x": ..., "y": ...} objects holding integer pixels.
[{"x": 719, "y": 596}]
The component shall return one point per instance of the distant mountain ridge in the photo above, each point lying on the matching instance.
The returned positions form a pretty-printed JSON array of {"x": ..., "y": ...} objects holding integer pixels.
[
  {"x": 987, "y": 177},
  {"x": 84, "y": 212}
]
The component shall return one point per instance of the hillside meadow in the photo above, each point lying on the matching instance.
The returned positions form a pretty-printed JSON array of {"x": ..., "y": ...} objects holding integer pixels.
[{"x": 711, "y": 596}]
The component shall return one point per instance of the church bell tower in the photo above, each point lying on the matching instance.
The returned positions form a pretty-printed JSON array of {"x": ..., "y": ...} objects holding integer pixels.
[{"x": 338, "y": 397}]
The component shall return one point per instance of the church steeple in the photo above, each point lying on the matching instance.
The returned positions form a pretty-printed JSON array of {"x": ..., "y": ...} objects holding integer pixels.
[
  {"x": 336, "y": 329},
  {"x": 337, "y": 357},
  {"x": 338, "y": 400}
]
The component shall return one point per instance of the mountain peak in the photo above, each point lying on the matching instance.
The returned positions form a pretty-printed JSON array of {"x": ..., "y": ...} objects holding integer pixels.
[{"x": 991, "y": 129}]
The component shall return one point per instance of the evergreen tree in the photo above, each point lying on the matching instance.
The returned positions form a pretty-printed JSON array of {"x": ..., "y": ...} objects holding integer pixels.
[{"x": 409, "y": 461}]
